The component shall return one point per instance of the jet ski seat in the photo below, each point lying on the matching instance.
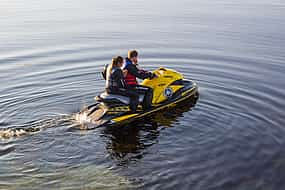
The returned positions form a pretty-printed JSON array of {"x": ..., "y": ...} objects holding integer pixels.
[{"x": 114, "y": 98}]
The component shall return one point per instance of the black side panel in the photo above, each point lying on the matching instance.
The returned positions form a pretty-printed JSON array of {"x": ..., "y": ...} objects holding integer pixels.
[{"x": 187, "y": 85}]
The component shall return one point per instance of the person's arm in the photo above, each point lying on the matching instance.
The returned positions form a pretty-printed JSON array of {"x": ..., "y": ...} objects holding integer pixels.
[
  {"x": 135, "y": 71},
  {"x": 125, "y": 72},
  {"x": 119, "y": 76}
]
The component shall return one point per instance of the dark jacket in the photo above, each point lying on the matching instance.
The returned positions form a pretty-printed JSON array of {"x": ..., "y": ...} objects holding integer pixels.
[
  {"x": 115, "y": 79},
  {"x": 134, "y": 72}
]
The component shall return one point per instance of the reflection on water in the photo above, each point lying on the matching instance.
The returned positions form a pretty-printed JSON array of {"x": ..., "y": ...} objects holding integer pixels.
[{"x": 129, "y": 143}]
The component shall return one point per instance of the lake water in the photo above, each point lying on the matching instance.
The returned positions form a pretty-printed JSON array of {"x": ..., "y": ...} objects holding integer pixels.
[{"x": 50, "y": 56}]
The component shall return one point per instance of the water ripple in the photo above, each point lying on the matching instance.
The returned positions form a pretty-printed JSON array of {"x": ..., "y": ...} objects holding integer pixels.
[{"x": 232, "y": 139}]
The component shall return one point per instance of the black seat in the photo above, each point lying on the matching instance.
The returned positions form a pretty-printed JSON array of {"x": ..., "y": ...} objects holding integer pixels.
[{"x": 114, "y": 98}]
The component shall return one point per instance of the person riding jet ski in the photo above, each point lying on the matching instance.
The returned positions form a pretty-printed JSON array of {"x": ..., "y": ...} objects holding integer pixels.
[
  {"x": 115, "y": 83},
  {"x": 131, "y": 72}
]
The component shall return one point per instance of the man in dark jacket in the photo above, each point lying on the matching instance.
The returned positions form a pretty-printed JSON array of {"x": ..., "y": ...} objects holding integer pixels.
[{"x": 132, "y": 72}]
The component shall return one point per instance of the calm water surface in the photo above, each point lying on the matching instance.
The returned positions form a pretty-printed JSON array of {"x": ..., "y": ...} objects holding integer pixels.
[{"x": 50, "y": 56}]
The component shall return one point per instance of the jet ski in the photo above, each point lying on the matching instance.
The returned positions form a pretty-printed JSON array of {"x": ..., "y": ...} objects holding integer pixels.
[{"x": 169, "y": 90}]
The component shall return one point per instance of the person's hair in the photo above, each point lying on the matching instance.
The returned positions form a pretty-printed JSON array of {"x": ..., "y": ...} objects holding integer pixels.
[
  {"x": 119, "y": 59},
  {"x": 132, "y": 53},
  {"x": 115, "y": 62}
]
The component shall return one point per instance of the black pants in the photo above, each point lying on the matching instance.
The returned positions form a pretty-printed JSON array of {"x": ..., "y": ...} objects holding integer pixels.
[
  {"x": 147, "y": 92},
  {"x": 132, "y": 94}
]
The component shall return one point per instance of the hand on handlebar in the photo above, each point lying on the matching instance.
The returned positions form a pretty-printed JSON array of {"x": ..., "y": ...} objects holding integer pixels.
[{"x": 153, "y": 76}]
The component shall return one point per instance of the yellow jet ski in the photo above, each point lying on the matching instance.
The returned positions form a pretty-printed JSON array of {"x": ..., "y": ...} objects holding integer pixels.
[{"x": 169, "y": 89}]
